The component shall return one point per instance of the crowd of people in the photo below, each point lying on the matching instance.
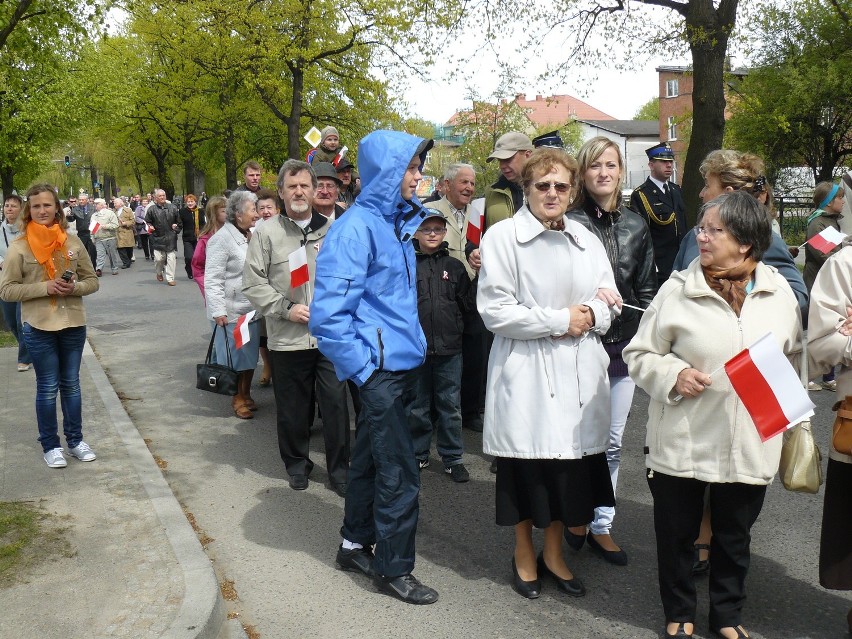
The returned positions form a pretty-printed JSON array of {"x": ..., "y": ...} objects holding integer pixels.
[{"x": 533, "y": 325}]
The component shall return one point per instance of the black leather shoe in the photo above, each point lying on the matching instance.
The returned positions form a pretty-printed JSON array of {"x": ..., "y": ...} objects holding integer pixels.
[
  {"x": 680, "y": 634},
  {"x": 575, "y": 541},
  {"x": 573, "y": 587},
  {"x": 741, "y": 632},
  {"x": 616, "y": 557},
  {"x": 356, "y": 560},
  {"x": 407, "y": 588},
  {"x": 340, "y": 489},
  {"x": 298, "y": 482},
  {"x": 701, "y": 566},
  {"x": 528, "y": 589}
]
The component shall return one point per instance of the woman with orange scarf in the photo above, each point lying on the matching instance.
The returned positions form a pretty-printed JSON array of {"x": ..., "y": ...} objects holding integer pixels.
[{"x": 49, "y": 271}]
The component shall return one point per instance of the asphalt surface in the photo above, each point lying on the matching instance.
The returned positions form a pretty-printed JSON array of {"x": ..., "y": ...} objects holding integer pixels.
[{"x": 277, "y": 545}]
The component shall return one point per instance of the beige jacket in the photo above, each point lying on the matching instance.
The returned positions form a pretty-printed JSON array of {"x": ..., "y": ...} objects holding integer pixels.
[
  {"x": 831, "y": 295},
  {"x": 266, "y": 278},
  {"x": 22, "y": 280},
  {"x": 712, "y": 437}
]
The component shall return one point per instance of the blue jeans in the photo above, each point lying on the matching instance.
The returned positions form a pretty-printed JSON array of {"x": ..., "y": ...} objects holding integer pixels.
[
  {"x": 12, "y": 315},
  {"x": 56, "y": 360},
  {"x": 438, "y": 390},
  {"x": 384, "y": 482}
]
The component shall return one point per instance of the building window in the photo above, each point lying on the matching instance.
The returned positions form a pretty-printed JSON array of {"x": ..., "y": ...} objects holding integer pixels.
[
  {"x": 671, "y": 89},
  {"x": 672, "y": 128}
]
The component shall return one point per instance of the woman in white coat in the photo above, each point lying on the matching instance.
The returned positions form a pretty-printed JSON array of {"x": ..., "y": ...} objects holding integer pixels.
[
  {"x": 544, "y": 290},
  {"x": 223, "y": 285}
]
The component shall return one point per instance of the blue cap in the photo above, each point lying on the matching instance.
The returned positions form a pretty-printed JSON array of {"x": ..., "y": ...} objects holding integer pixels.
[
  {"x": 548, "y": 140},
  {"x": 661, "y": 151}
]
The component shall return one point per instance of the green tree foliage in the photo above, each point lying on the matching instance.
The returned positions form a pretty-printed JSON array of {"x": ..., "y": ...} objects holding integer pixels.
[
  {"x": 793, "y": 108},
  {"x": 649, "y": 111},
  {"x": 39, "y": 105}
]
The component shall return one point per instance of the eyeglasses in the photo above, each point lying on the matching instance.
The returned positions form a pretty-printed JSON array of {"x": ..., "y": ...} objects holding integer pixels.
[
  {"x": 544, "y": 187},
  {"x": 709, "y": 231},
  {"x": 440, "y": 230}
]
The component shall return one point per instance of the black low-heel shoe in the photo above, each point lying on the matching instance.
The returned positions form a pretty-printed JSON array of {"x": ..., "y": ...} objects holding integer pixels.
[
  {"x": 573, "y": 587},
  {"x": 681, "y": 633},
  {"x": 528, "y": 589},
  {"x": 741, "y": 632},
  {"x": 575, "y": 541},
  {"x": 615, "y": 557}
]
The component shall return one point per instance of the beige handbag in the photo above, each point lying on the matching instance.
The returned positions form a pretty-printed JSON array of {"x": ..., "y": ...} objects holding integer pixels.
[{"x": 801, "y": 462}]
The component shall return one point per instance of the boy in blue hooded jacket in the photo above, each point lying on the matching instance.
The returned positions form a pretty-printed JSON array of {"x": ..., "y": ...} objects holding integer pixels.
[{"x": 364, "y": 317}]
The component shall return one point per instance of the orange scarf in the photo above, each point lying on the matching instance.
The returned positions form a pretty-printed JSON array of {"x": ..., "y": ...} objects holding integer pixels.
[
  {"x": 44, "y": 241},
  {"x": 731, "y": 283}
]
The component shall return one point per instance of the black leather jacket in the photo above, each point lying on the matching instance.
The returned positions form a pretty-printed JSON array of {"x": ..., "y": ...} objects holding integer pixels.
[
  {"x": 627, "y": 241},
  {"x": 443, "y": 299}
]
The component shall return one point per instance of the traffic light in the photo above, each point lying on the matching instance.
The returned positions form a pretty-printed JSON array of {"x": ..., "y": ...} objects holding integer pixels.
[{"x": 67, "y": 160}]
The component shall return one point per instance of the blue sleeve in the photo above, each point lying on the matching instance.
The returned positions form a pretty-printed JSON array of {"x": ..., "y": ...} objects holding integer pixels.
[
  {"x": 341, "y": 275},
  {"x": 778, "y": 255},
  {"x": 688, "y": 251}
]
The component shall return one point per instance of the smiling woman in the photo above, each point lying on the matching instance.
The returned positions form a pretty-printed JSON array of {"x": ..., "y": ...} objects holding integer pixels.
[{"x": 49, "y": 271}]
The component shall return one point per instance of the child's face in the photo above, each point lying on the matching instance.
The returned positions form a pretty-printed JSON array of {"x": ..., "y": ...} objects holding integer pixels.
[
  {"x": 331, "y": 142},
  {"x": 431, "y": 234}
]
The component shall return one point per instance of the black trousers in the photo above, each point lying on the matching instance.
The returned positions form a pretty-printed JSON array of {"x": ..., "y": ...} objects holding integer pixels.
[
  {"x": 126, "y": 255},
  {"x": 86, "y": 239},
  {"x": 476, "y": 343},
  {"x": 145, "y": 243},
  {"x": 678, "y": 507},
  {"x": 188, "y": 252},
  {"x": 294, "y": 374},
  {"x": 382, "y": 501}
]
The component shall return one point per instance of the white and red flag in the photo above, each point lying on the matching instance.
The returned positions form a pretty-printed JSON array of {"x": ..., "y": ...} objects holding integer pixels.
[
  {"x": 769, "y": 387},
  {"x": 827, "y": 240},
  {"x": 94, "y": 226},
  {"x": 298, "y": 267},
  {"x": 241, "y": 330},
  {"x": 475, "y": 220}
]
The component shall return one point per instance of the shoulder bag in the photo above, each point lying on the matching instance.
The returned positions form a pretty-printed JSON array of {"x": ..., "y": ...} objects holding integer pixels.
[{"x": 216, "y": 378}]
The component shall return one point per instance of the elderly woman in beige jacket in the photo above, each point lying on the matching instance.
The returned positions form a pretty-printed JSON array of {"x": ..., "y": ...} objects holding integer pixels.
[
  {"x": 829, "y": 344},
  {"x": 699, "y": 432}
]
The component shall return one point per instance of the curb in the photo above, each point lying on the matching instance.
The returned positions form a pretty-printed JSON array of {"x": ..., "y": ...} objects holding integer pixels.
[{"x": 202, "y": 611}]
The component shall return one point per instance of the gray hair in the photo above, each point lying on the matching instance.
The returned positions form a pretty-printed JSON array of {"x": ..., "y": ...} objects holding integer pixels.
[
  {"x": 118, "y": 202},
  {"x": 294, "y": 167},
  {"x": 158, "y": 191},
  {"x": 454, "y": 168},
  {"x": 236, "y": 203},
  {"x": 99, "y": 200},
  {"x": 746, "y": 219}
]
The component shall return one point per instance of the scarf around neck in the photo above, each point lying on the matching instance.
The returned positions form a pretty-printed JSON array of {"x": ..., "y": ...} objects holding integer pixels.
[
  {"x": 44, "y": 241},
  {"x": 731, "y": 283}
]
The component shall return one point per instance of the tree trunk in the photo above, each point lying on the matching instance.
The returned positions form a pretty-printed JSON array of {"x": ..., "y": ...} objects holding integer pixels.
[
  {"x": 93, "y": 178},
  {"x": 293, "y": 133},
  {"x": 708, "y": 31},
  {"x": 230, "y": 154},
  {"x": 138, "y": 175},
  {"x": 7, "y": 181}
]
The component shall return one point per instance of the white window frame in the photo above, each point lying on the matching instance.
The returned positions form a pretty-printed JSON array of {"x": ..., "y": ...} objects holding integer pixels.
[
  {"x": 672, "y": 127},
  {"x": 672, "y": 88}
]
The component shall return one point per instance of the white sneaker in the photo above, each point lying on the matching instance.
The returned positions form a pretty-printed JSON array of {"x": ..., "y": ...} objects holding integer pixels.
[
  {"x": 82, "y": 452},
  {"x": 55, "y": 459},
  {"x": 813, "y": 386}
]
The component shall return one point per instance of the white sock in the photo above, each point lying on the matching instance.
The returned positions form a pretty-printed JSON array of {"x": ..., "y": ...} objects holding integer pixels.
[{"x": 351, "y": 545}]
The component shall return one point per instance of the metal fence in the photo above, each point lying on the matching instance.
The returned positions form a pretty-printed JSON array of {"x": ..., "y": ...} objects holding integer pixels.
[{"x": 793, "y": 216}]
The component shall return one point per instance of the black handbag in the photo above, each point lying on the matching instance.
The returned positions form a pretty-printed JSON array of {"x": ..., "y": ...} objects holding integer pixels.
[{"x": 216, "y": 378}]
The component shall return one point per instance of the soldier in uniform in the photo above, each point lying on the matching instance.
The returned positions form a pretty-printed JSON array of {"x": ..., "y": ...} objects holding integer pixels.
[{"x": 660, "y": 202}]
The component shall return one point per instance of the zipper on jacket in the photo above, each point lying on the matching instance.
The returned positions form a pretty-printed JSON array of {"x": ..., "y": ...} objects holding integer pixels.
[{"x": 381, "y": 350}]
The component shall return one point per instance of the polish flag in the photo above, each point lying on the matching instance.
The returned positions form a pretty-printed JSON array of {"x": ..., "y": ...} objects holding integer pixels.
[
  {"x": 475, "y": 220},
  {"x": 827, "y": 240},
  {"x": 298, "y": 267},
  {"x": 769, "y": 387},
  {"x": 340, "y": 155},
  {"x": 94, "y": 226},
  {"x": 241, "y": 330}
]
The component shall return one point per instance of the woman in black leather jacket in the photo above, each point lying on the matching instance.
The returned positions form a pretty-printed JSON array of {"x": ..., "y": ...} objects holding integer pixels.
[{"x": 628, "y": 245}]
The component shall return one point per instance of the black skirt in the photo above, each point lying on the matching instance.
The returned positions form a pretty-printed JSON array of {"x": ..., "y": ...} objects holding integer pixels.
[
  {"x": 548, "y": 490},
  {"x": 835, "y": 544}
]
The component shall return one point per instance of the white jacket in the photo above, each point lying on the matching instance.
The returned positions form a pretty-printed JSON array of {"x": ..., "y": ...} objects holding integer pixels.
[
  {"x": 223, "y": 274},
  {"x": 831, "y": 295},
  {"x": 711, "y": 437},
  {"x": 546, "y": 398}
]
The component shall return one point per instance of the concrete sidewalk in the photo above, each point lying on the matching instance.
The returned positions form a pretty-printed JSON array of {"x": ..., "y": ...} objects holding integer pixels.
[{"x": 133, "y": 566}]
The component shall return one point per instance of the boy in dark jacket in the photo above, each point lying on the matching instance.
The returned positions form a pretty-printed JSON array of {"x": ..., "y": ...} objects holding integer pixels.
[{"x": 443, "y": 295}]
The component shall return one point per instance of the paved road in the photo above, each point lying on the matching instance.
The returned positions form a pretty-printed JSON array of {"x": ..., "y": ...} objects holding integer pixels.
[{"x": 278, "y": 545}]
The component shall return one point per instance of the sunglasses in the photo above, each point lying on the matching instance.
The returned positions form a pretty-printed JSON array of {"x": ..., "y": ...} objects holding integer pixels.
[
  {"x": 544, "y": 187},
  {"x": 433, "y": 230}
]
